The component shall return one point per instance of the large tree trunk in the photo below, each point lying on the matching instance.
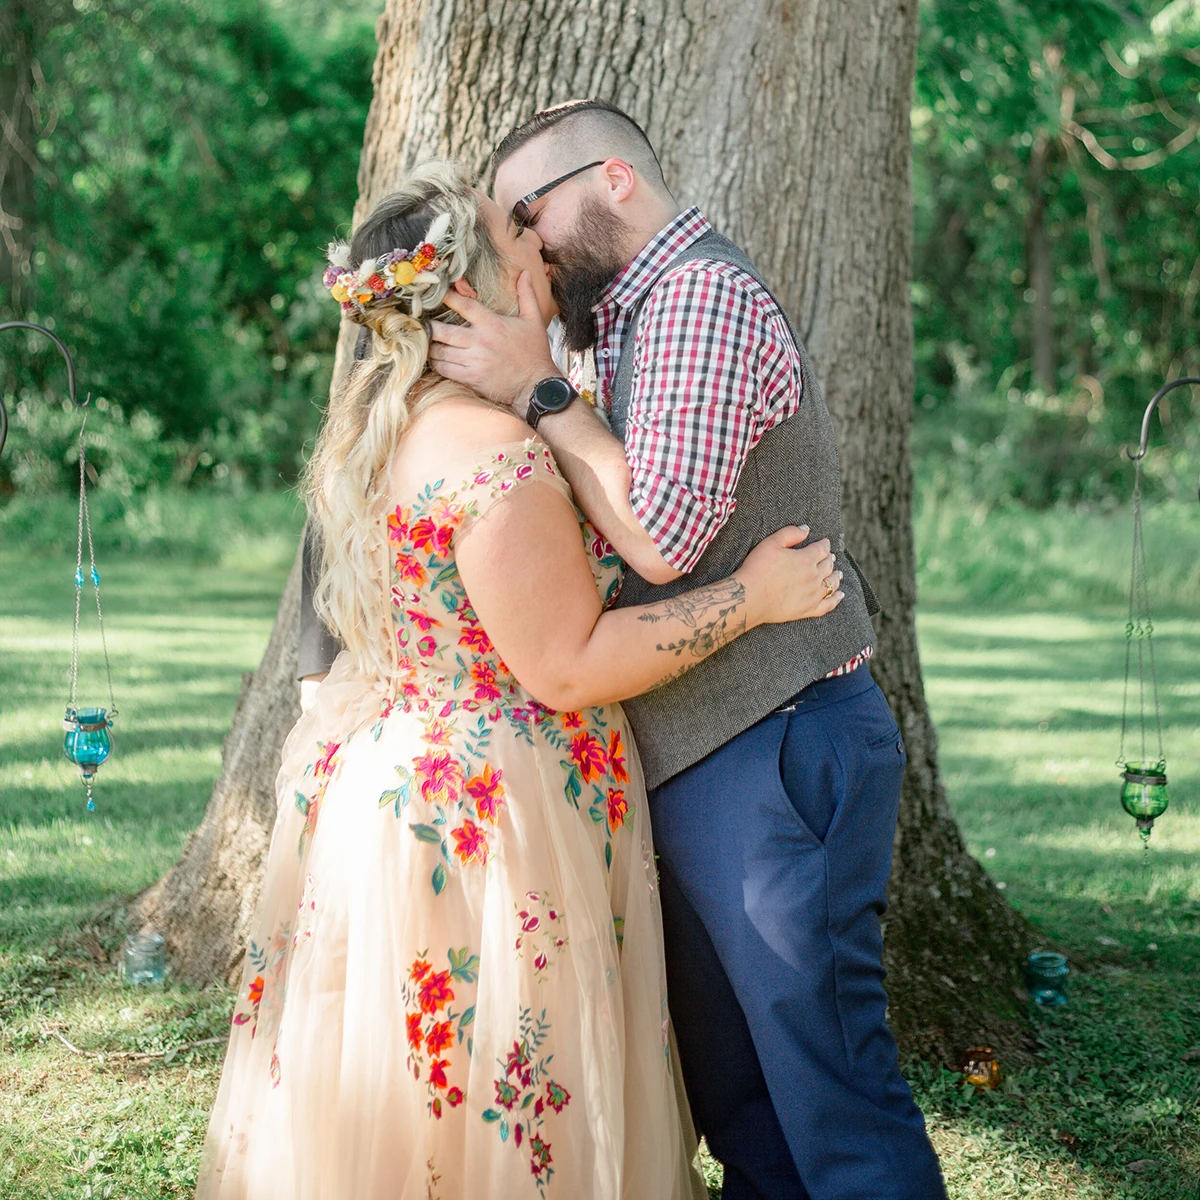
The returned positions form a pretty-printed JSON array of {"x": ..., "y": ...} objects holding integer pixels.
[
  {"x": 18, "y": 151},
  {"x": 787, "y": 120}
]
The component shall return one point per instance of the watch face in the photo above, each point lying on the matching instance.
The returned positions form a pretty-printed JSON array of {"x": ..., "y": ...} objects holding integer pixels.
[{"x": 553, "y": 395}]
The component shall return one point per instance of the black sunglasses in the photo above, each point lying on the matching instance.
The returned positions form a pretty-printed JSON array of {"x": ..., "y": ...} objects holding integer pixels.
[{"x": 521, "y": 215}]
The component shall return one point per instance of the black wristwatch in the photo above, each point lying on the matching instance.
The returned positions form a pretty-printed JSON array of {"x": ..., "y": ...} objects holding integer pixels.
[{"x": 550, "y": 396}]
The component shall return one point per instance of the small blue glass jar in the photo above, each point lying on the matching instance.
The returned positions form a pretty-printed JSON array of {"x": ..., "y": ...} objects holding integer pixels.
[
  {"x": 145, "y": 958},
  {"x": 87, "y": 742},
  {"x": 1046, "y": 976}
]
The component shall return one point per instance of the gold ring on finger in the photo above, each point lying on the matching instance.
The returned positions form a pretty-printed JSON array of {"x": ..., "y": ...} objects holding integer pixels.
[{"x": 829, "y": 589}]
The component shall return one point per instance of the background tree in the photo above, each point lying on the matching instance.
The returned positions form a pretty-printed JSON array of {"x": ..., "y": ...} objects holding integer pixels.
[{"x": 789, "y": 123}]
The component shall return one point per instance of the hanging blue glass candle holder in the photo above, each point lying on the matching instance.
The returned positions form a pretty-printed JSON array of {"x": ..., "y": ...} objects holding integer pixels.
[
  {"x": 1046, "y": 977},
  {"x": 87, "y": 742}
]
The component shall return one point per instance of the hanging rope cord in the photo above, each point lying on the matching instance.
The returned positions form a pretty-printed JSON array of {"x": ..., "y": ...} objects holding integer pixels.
[
  {"x": 1139, "y": 631},
  {"x": 85, "y": 530}
]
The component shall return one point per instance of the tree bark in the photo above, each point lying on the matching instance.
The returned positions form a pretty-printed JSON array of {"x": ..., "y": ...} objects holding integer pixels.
[
  {"x": 787, "y": 120},
  {"x": 18, "y": 151},
  {"x": 1041, "y": 271}
]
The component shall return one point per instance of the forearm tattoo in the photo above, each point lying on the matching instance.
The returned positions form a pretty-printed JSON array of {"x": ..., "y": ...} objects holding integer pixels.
[{"x": 713, "y": 615}]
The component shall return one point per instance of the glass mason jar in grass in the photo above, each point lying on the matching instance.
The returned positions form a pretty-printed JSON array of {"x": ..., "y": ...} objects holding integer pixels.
[
  {"x": 145, "y": 958},
  {"x": 1045, "y": 976}
]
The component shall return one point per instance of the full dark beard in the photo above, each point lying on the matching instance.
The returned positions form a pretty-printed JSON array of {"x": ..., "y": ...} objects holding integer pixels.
[{"x": 581, "y": 271}]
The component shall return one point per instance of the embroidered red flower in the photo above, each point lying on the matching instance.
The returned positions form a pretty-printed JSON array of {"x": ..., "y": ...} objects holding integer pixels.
[
  {"x": 256, "y": 990},
  {"x": 435, "y": 991},
  {"x": 427, "y": 646},
  {"x": 472, "y": 843},
  {"x": 571, "y": 720},
  {"x": 422, "y": 620},
  {"x": 589, "y": 756},
  {"x": 428, "y": 535},
  {"x": 618, "y": 807},
  {"x": 506, "y": 1094},
  {"x": 439, "y": 775},
  {"x": 455, "y": 1096},
  {"x": 557, "y": 1096},
  {"x": 517, "y": 1062},
  {"x": 616, "y": 757},
  {"x": 487, "y": 793},
  {"x": 415, "y": 1036},
  {"x": 437, "y": 1073},
  {"x": 439, "y": 1037},
  {"x": 539, "y": 1155}
]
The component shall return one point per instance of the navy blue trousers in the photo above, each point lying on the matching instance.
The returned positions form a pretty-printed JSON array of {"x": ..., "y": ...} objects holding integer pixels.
[{"x": 774, "y": 856}]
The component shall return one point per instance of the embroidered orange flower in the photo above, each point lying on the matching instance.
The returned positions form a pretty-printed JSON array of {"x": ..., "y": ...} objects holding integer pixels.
[
  {"x": 419, "y": 970},
  {"x": 472, "y": 843},
  {"x": 437, "y": 733},
  {"x": 439, "y": 1037},
  {"x": 476, "y": 639},
  {"x": 618, "y": 807},
  {"x": 430, "y": 536},
  {"x": 589, "y": 756},
  {"x": 415, "y": 1036},
  {"x": 410, "y": 568},
  {"x": 439, "y": 776},
  {"x": 422, "y": 620},
  {"x": 256, "y": 990},
  {"x": 571, "y": 720},
  {"x": 616, "y": 757},
  {"x": 435, "y": 992},
  {"x": 488, "y": 794}
]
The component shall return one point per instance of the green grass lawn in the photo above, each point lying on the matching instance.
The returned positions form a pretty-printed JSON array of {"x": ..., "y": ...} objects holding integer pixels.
[{"x": 1027, "y": 701}]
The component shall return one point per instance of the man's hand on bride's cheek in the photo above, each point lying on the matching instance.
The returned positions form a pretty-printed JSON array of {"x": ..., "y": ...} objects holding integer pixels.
[{"x": 501, "y": 358}]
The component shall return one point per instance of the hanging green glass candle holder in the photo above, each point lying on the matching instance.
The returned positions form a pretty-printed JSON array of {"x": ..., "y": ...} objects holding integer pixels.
[
  {"x": 87, "y": 742},
  {"x": 1144, "y": 792}
]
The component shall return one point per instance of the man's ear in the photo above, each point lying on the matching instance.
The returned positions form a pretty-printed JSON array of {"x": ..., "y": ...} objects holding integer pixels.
[
  {"x": 619, "y": 178},
  {"x": 463, "y": 288}
]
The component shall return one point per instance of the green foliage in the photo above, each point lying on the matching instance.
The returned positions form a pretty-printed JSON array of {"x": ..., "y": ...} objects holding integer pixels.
[
  {"x": 1076, "y": 122},
  {"x": 192, "y": 159}
]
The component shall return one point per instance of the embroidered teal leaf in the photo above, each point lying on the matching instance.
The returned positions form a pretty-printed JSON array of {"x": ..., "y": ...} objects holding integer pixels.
[
  {"x": 527, "y": 1101},
  {"x": 467, "y": 1018},
  {"x": 449, "y": 601},
  {"x": 426, "y": 833},
  {"x": 596, "y": 813},
  {"x": 608, "y": 855},
  {"x": 446, "y": 574},
  {"x": 391, "y": 797},
  {"x": 491, "y": 1115},
  {"x": 439, "y": 879},
  {"x": 504, "y": 1129},
  {"x": 574, "y": 784},
  {"x": 302, "y": 803}
]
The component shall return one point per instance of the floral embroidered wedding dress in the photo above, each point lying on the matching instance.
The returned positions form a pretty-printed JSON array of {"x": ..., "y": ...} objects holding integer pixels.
[{"x": 454, "y": 988}]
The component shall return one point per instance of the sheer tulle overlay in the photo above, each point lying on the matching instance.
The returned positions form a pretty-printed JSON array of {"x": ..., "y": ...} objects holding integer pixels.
[{"x": 454, "y": 986}]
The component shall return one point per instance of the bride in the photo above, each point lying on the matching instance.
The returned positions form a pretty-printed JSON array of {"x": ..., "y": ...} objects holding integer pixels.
[{"x": 454, "y": 986}]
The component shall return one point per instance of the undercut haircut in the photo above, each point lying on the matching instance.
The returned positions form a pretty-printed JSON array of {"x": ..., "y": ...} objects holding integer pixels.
[{"x": 582, "y": 130}]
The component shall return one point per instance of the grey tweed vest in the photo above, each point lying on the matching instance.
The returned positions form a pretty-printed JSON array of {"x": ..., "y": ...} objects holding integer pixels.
[{"x": 790, "y": 478}]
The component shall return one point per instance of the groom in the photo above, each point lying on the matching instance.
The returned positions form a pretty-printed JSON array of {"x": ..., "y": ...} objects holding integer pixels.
[{"x": 775, "y": 766}]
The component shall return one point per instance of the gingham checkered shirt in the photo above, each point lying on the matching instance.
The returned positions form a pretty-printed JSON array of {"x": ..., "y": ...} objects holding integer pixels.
[{"x": 715, "y": 369}]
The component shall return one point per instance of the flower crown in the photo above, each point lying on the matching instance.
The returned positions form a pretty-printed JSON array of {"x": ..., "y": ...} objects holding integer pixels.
[{"x": 380, "y": 278}]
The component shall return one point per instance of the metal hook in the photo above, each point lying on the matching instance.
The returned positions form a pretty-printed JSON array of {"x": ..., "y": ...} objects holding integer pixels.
[
  {"x": 1145, "y": 443},
  {"x": 70, "y": 372}
]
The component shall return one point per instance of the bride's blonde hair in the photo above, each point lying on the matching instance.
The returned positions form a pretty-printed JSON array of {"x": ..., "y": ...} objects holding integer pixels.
[{"x": 346, "y": 478}]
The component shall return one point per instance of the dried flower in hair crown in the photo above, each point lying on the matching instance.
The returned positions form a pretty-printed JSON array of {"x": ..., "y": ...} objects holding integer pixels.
[{"x": 383, "y": 277}]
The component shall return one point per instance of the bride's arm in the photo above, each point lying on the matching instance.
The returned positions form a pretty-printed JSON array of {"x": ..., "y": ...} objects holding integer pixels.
[{"x": 524, "y": 568}]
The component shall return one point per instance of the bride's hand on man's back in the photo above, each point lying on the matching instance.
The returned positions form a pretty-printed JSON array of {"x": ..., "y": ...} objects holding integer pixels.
[{"x": 787, "y": 581}]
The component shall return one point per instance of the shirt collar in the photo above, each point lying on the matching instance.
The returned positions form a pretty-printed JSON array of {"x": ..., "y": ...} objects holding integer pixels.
[{"x": 637, "y": 276}]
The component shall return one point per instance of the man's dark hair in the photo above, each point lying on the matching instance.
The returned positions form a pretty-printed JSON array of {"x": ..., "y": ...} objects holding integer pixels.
[{"x": 586, "y": 129}]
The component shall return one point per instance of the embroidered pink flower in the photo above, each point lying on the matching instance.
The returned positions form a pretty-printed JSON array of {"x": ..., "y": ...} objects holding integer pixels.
[
  {"x": 472, "y": 843},
  {"x": 589, "y": 756},
  {"x": 571, "y": 720},
  {"x": 439, "y": 776},
  {"x": 428, "y": 535},
  {"x": 523, "y": 472},
  {"x": 517, "y": 1062},
  {"x": 488, "y": 794},
  {"x": 455, "y": 1096},
  {"x": 506, "y": 1094},
  {"x": 539, "y": 1157},
  {"x": 437, "y": 1073},
  {"x": 437, "y": 733},
  {"x": 557, "y": 1096},
  {"x": 427, "y": 646},
  {"x": 422, "y": 620},
  {"x": 484, "y": 675},
  {"x": 397, "y": 525},
  {"x": 324, "y": 765},
  {"x": 476, "y": 639}
]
